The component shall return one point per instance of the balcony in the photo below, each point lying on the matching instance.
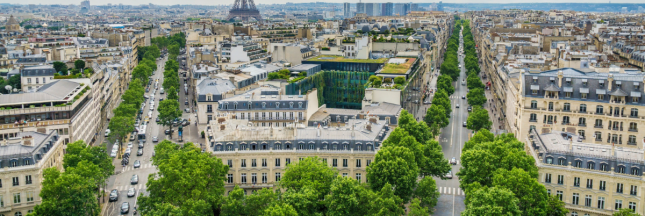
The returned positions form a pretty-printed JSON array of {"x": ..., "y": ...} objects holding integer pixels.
[
  {"x": 597, "y": 126},
  {"x": 275, "y": 119},
  {"x": 34, "y": 124}
]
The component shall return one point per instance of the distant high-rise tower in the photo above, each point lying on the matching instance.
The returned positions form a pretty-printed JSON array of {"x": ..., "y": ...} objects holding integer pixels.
[
  {"x": 440, "y": 6},
  {"x": 360, "y": 7},
  {"x": 414, "y": 7},
  {"x": 388, "y": 9},
  {"x": 85, "y": 6},
  {"x": 402, "y": 9},
  {"x": 346, "y": 10},
  {"x": 370, "y": 9}
]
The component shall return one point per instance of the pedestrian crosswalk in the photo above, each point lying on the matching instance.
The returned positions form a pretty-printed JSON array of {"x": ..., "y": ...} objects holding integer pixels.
[
  {"x": 138, "y": 187},
  {"x": 451, "y": 190},
  {"x": 131, "y": 167}
]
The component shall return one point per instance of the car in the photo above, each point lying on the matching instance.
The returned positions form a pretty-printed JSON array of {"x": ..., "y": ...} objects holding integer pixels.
[
  {"x": 187, "y": 110},
  {"x": 465, "y": 124},
  {"x": 157, "y": 120},
  {"x": 175, "y": 123},
  {"x": 136, "y": 164},
  {"x": 452, "y": 161},
  {"x": 449, "y": 175},
  {"x": 113, "y": 154},
  {"x": 152, "y": 107},
  {"x": 114, "y": 195},
  {"x": 427, "y": 102},
  {"x": 459, "y": 66},
  {"x": 185, "y": 123},
  {"x": 416, "y": 101},
  {"x": 463, "y": 97},
  {"x": 470, "y": 108},
  {"x": 168, "y": 131},
  {"x": 131, "y": 192},
  {"x": 125, "y": 207},
  {"x": 186, "y": 102},
  {"x": 155, "y": 139},
  {"x": 140, "y": 144},
  {"x": 107, "y": 132},
  {"x": 134, "y": 179},
  {"x": 160, "y": 99},
  {"x": 457, "y": 105},
  {"x": 125, "y": 161},
  {"x": 129, "y": 144},
  {"x": 139, "y": 152}
]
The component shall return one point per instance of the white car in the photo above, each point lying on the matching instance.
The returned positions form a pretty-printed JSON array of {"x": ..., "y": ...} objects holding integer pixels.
[
  {"x": 107, "y": 132},
  {"x": 130, "y": 145},
  {"x": 152, "y": 107},
  {"x": 113, "y": 154}
]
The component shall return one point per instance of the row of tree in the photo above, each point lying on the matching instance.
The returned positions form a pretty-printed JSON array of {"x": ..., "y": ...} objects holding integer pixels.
[
  {"x": 75, "y": 191},
  {"x": 479, "y": 118},
  {"x": 171, "y": 43},
  {"x": 450, "y": 65},
  {"x": 169, "y": 109},
  {"x": 190, "y": 182}
]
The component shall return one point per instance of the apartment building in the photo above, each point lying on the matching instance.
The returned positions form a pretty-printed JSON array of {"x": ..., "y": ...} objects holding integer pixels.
[
  {"x": 23, "y": 159},
  {"x": 602, "y": 108},
  {"x": 242, "y": 51},
  {"x": 258, "y": 156},
  {"x": 32, "y": 78},
  {"x": 591, "y": 179},
  {"x": 66, "y": 106}
]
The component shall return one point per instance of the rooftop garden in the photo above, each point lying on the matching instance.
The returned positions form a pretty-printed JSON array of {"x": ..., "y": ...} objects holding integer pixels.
[
  {"x": 331, "y": 58},
  {"x": 393, "y": 68},
  {"x": 386, "y": 83}
]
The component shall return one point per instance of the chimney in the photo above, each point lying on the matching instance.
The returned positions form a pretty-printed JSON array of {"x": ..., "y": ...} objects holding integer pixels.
[
  {"x": 353, "y": 132},
  {"x": 318, "y": 130},
  {"x": 27, "y": 141},
  {"x": 570, "y": 144},
  {"x": 232, "y": 78}
]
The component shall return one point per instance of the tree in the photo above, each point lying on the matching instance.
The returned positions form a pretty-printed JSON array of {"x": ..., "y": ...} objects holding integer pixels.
[
  {"x": 478, "y": 119},
  {"x": 399, "y": 80},
  {"x": 234, "y": 203},
  {"x": 445, "y": 82},
  {"x": 150, "y": 63},
  {"x": 141, "y": 72},
  {"x": 66, "y": 194},
  {"x": 492, "y": 201},
  {"x": 189, "y": 182},
  {"x": 444, "y": 102},
  {"x": 91, "y": 162},
  {"x": 281, "y": 209},
  {"x": 396, "y": 166},
  {"x": 60, "y": 67},
  {"x": 427, "y": 192},
  {"x": 305, "y": 200},
  {"x": 435, "y": 164},
  {"x": 126, "y": 109},
  {"x": 416, "y": 209},
  {"x": 168, "y": 112},
  {"x": 531, "y": 195},
  {"x": 556, "y": 207},
  {"x": 120, "y": 127},
  {"x": 476, "y": 97},
  {"x": 172, "y": 93},
  {"x": 259, "y": 201},
  {"x": 312, "y": 172},
  {"x": 154, "y": 50},
  {"x": 625, "y": 212},
  {"x": 436, "y": 114},
  {"x": 79, "y": 64},
  {"x": 387, "y": 203},
  {"x": 15, "y": 81},
  {"x": 480, "y": 136},
  {"x": 347, "y": 197}
]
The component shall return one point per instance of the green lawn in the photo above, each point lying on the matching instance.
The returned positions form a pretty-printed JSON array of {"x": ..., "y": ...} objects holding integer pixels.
[
  {"x": 332, "y": 58},
  {"x": 398, "y": 68}
]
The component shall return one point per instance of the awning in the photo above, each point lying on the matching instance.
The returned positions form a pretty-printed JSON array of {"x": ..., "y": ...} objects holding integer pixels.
[
  {"x": 601, "y": 91},
  {"x": 618, "y": 82},
  {"x": 535, "y": 87},
  {"x": 568, "y": 89},
  {"x": 601, "y": 81},
  {"x": 637, "y": 83},
  {"x": 584, "y": 90},
  {"x": 552, "y": 78},
  {"x": 584, "y": 80},
  {"x": 636, "y": 94},
  {"x": 618, "y": 93},
  {"x": 568, "y": 79}
]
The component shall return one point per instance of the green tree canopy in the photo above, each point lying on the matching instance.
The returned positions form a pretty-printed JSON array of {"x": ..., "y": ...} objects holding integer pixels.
[
  {"x": 66, "y": 194},
  {"x": 492, "y": 201},
  {"x": 396, "y": 166},
  {"x": 478, "y": 119},
  {"x": 60, "y": 67},
  {"x": 427, "y": 192},
  {"x": 79, "y": 64},
  {"x": 476, "y": 97}
]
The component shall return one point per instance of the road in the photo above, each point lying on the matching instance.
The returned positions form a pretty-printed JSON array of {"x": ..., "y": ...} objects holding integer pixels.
[{"x": 452, "y": 138}]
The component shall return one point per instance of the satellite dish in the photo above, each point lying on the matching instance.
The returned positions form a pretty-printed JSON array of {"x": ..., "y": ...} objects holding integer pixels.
[{"x": 8, "y": 88}]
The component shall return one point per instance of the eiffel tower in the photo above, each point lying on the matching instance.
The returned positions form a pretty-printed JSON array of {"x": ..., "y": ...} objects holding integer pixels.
[{"x": 244, "y": 9}]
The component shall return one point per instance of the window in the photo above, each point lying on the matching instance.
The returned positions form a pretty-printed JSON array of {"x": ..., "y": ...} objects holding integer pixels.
[
  {"x": 562, "y": 162},
  {"x": 583, "y": 95},
  {"x": 533, "y": 117},
  {"x": 277, "y": 176},
  {"x": 230, "y": 178},
  {"x": 583, "y": 108},
  {"x": 264, "y": 178},
  {"x": 633, "y": 126},
  {"x": 601, "y": 97},
  {"x": 588, "y": 200},
  {"x": 574, "y": 213},
  {"x": 559, "y": 194},
  {"x": 635, "y": 99},
  {"x": 619, "y": 187},
  {"x": 565, "y": 120},
  {"x": 264, "y": 162},
  {"x": 16, "y": 181},
  {"x": 634, "y": 112},
  {"x": 16, "y": 198},
  {"x": 633, "y": 190},
  {"x": 599, "y": 109},
  {"x": 30, "y": 196},
  {"x": 344, "y": 174},
  {"x": 576, "y": 181},
  {"x": 632, "y": 206},
  {"x": 28, "y": 80},
  {"x": 344, "y": 162},
  {"x": 367, "y": 164},
  {"x": 324, "y": 160},
  {"x": 243, "y": 164},
  {"x": 576, "y": 198},
  {"x": 549, "y": 160},
  {"x": 631, "y": 140},
  {"x": 567, "y": 94},
  {"x": 601, "y": 202},
  {"x": 243, "y": 178},
  {"x": 230, "y": 163},
  {"x": 254, "y": 163},
  {"x": 598, "y": 123},
  {"x": 619, "y": 204},
  {"x": 254, "y": 178},
  {"x": 550, "y": 105},
  {"x": 334, "y": 162},
  {"x": 358, "y": 177},
  {"x": 560, "y": 179},
  {"x": 209, "y": 108},
  {"x": 567, "y": 107},
  {"x": 547, "y": 178},
  {"x": 277, "y": 162},
  {"x": 621, "y": 169},
  {"x": 598, "y": 136},
  {"x": 582, "y": 134},
  {"x": 288, "y": 161},
  {"x": 590, "y": 183},
  {"x": 533, "y": 104},
  {"x": 358, "y": 162},
  {"x": 602, "y": 185}
]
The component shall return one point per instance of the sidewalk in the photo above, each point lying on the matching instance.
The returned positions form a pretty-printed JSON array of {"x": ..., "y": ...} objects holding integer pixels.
[
  {"x": 495, "y": 128},
  {"x": 433, "y": 85}
]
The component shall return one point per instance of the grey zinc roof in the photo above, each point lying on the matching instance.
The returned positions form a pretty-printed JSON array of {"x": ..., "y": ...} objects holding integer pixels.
[
  {"x": 46, "y": 70},
  {"x": 50, "y": 92},
  {"x": 619, "y": 92},
  {"x": 552, "y": 88},
  {"x": 214, "y": 86}
]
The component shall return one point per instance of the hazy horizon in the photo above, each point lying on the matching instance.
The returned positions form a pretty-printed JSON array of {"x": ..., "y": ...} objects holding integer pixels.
[{"x": 229, "y": 2}]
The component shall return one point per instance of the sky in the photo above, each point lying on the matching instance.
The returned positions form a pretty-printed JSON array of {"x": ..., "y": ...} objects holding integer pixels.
[{"x": 220, "y": 2}]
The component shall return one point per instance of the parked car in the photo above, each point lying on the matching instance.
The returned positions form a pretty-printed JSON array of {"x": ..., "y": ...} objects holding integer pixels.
[
  {"x": 155, "y": 139},
  {"x": 457, "y": 105},
  {"x": 134, "y": 179},
  {"x": 113, "y": 154},
  {"x": 463, "y": 97},
  {"x": 139, "y": 152},
  {"x": 140, "y": 146},
  {"x": 136, "y": 164},
  {"x": 187, "y": 110},
  {"x": 114, "y": 195},
  {"x": 465, "y": 124},
  {"x": 125, "y": 207},
  {"x": 470, "y": 108},
  {"x": 453, "y": 161},
  {"x": 129, "y": 144},
  {"x": 185, "y": 123},
  {"x": 157, "y": 120},
  {"x": 131, "y": 192},
  {"x": 168, "y": 131},
  {"x": 186, "y": 102}
]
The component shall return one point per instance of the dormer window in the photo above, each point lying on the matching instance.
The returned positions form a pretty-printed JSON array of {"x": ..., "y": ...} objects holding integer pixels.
[
  {"x": 584, "y": 82},
  {"x": 636, "y": 85},
  {"x": 290, "y": 104},
  {"x": 552, "y": 80},
  {"x": 235, "y": 105},
  {"x": 568, "y": 80},
  {"x": 277, "y": 105},
  {"x": 264, "y": 104},
  {"x": 226, "y": 105},
  {"x": 249, "y": 105},
  {"x": 618, "y": 84},
  {"x": 601, "y": 83},
  {"x": 299, "y": 104}
]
